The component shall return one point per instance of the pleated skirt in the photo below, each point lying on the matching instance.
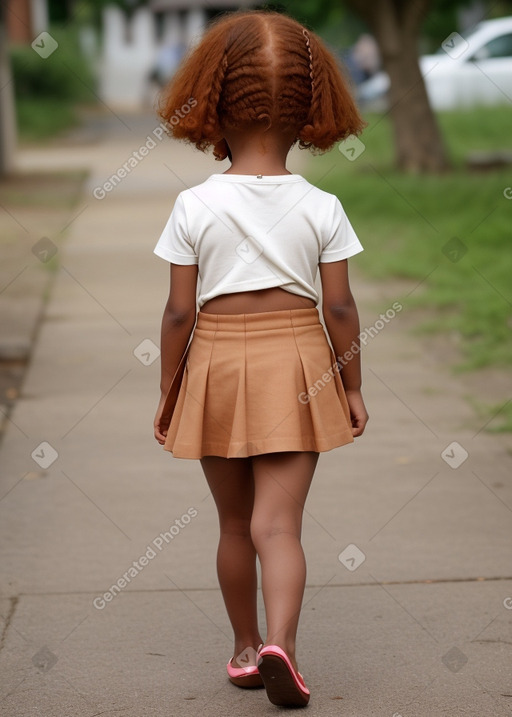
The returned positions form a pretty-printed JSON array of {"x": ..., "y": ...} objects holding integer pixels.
[{"x": 259, "y": 383}]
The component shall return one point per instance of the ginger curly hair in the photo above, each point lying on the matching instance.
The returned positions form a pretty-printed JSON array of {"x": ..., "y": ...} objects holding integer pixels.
[{"x": 259, "y": 67}]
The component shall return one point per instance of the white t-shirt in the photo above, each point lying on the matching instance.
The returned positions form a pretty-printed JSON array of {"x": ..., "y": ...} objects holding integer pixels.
[{"x": 249, "y": 232}]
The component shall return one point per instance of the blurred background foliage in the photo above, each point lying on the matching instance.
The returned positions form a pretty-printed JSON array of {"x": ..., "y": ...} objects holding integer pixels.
[
  {"x": 340, "y": 26},
  {"x": 64, "y": 82},
  {"x": 47, "y": 94}
]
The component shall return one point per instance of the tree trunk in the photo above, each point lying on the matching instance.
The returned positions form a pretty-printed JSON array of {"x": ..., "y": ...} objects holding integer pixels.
[
  {"x": 395, "y": 25},
  {"x": 7, "y": 112}
]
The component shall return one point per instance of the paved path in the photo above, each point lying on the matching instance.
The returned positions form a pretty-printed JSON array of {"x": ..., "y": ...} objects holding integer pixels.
[{"x": 412, "y": 620}]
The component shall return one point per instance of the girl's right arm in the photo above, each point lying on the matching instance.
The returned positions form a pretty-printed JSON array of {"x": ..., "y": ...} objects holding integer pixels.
[
  {"x": 342, "y": 322},
  {"x": 177, "y": 324}
]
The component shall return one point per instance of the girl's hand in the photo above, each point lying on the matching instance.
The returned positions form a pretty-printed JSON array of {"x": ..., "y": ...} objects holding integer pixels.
[
  {"x": 160, "y": 431},
  {"x": 358, "y": 412}
]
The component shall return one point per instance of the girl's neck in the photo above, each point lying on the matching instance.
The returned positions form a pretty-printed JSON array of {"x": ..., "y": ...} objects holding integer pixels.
[{"x": 258, "y": 152}]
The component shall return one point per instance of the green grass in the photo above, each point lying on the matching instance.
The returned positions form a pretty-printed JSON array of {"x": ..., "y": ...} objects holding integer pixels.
[
  {"x": 499, "y": 416},
  {"x": 407, "y": 225},
  {"x": 44, "y": 118},
  {"x": 48, "y": 90}
]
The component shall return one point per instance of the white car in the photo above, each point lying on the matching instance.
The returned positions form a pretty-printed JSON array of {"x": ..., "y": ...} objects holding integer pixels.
[{"x": 465, "y": 72}]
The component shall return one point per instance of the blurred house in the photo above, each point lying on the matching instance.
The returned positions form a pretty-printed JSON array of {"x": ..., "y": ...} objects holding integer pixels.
[
  {"x": 147, "y": 48},
  {"x": 140, "y": 51}
]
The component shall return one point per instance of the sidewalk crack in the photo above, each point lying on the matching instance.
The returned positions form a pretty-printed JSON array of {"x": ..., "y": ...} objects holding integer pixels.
[{"x": 13, "y": 603}]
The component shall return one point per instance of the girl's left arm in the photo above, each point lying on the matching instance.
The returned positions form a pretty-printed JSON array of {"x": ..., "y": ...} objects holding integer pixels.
[{"x": 177, "y": 323}]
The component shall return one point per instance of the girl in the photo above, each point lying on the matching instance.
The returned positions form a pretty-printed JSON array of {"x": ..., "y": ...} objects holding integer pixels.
[{"x": 262, "y": 391}]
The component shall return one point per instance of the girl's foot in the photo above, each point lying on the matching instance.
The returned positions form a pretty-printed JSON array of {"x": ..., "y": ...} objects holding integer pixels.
[
  {"x": 243, "y": 669},
  {"x": 284, "y": 684},
  {"x": 287, "y": 649}
]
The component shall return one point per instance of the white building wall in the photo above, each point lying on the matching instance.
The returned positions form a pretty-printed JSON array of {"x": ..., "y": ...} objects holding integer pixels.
[
  {"x": 128, "y": 56},
  {"x": 131, "y": 51}
]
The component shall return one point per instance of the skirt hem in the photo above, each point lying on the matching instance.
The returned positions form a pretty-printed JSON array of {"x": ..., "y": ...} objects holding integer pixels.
[{"x": 246, "y": 450}]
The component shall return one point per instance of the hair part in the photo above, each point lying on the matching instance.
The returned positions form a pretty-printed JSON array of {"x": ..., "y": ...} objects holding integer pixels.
[{"x": 260, "y": 68}]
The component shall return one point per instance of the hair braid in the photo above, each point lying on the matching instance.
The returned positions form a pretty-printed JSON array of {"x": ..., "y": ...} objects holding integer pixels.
[
  {"x": 308, "y": 45},
  {"x": 260, "y": 68},
  {"x": 315, "y": 96},
  {"x": 333, "y": 115},
  {"x": 211, "y": 118}
]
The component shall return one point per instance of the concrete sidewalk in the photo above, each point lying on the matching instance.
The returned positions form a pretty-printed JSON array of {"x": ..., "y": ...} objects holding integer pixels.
[{"x": 407, "y": 532}]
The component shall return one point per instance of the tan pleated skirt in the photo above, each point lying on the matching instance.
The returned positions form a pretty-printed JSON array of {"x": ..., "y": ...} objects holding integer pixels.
[{"x": 259, "y": 383}]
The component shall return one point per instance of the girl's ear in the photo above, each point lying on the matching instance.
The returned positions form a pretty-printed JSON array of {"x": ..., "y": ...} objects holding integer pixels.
[{"x": 221, "y": 151}]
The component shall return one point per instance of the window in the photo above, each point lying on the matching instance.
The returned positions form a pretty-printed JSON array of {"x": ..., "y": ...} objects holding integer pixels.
[{"x": 498, "y": 47}]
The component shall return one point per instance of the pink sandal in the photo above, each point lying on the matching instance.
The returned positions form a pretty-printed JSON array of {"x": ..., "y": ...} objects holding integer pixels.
[
  {"x": 248, "y": 677},
  {"x": 285, "y": 686}
]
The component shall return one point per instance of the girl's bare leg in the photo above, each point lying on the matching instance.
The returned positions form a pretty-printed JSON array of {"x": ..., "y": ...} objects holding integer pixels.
[
  {"x": 232, "y": 486},
  {"x": 281, "y": 484}
]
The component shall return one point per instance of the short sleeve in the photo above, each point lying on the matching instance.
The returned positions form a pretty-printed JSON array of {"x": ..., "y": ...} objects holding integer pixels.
[
  {"x": 174, "y": 244},
  {"x": 340, "y": 240}
]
